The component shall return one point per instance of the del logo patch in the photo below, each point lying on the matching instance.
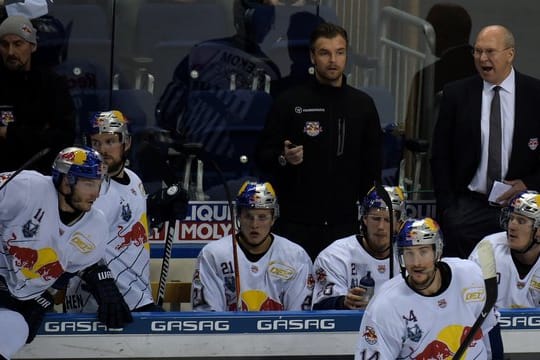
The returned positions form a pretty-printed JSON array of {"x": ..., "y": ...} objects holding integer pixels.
[
  {"x": 533, "y": 143},
  {"x": 312, "y": 128}
]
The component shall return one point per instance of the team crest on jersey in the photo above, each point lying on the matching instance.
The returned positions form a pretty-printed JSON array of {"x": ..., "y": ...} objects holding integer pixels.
[
  {"x": 312, "y": 128},
  {"x": 442, "y": 303},
  {"x": 126, "y": 211},
  {"x": 31, "y": 228},
  {"x": 370, "y": 335},
  {"x": 282, "y": 271},
  {"x": 533, "y": 143},
  {"x": 381, "y": 268},
  {"x": 321, "y": 275},
  {"x": 310, "y": 282},
  {"x": 254, "y": 269},
  {"x": 414, "y": 333},
  {"x": 81, "y": 242},
  {"x": 520, "y": 284}
]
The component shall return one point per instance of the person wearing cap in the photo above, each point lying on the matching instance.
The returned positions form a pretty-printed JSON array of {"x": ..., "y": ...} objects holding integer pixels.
[
  {"x": 37, "y": 110},
  {"x": 253, "y": 270}
]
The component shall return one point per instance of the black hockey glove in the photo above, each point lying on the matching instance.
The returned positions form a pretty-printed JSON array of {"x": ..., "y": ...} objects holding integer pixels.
[
  {"x": 112, "y": 309},
  {"x": 167, "y": 204},
  {"x": 34, "y": 311}
]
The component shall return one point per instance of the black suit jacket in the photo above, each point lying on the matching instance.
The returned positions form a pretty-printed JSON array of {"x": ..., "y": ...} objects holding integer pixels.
[{"x": 456, "y": 144}]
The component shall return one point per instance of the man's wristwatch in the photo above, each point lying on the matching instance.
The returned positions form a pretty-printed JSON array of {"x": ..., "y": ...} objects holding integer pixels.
[{"x": 281, "y": 160}]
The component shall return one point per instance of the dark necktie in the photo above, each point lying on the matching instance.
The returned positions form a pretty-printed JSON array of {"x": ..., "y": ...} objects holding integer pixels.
[{"x": 494, "y": 149}]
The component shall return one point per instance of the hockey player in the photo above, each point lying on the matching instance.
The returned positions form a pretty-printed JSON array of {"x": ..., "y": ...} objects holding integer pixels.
[
  {"x": 340, "y": 267},
  {"x": 127, "y": 252},
  {"x": 274, "y": 273},
  {"x": 50, "y": 227},
  {"x": 516, "y": 252},
  {"x": 427, "y": 314}
]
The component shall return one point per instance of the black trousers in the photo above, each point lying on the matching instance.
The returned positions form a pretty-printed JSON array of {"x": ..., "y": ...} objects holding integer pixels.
[
  {"x": 467, "y": 222},
  {"x": 314, "y": 237}
]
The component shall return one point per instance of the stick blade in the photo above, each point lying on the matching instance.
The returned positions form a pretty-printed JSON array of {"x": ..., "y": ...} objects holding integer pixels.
[{"x": 486, "y": 259}]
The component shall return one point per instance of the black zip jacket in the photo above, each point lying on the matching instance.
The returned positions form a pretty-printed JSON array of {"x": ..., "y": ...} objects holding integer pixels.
[{"x": 342, "y": 138}]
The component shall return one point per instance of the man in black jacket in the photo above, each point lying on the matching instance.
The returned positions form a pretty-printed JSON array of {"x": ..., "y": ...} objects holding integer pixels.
[
  {"x": 322, "y": 142},
  {"x": 37, "y": 110},
  {"x": 459, "y": 163}
]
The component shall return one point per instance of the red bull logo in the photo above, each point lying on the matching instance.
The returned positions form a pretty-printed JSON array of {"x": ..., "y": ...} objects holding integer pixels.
[
  {"x": 35, "y": 263},
  {"x": 435, "y": 350},
  {"x": 258, "y": 300},
  {"x": 448, "y": 342},
  {"x": 24, "y": 257},
  {"x": 77, "y": 157},
  {"x": 136, "y": 236}
]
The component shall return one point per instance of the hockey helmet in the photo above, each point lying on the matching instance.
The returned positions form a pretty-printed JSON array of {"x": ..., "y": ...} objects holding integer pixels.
[
  {"x": 526, "y": 203},
  {"x": 424, "y": 231},
  {"x": 109, "y": 122},
  {"x": 373, "y": 200},
  {"x": 257, "y": 195},
  {"x": 77, "y": 162}
]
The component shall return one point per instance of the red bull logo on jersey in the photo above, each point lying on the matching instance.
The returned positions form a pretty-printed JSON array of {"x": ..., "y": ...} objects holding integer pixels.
[
  {"x": 35, "y": 263},
  {"x": 137, "y": 236},
  {"x": 258, "y": 300},
  {"x": 447, "y": 343}
]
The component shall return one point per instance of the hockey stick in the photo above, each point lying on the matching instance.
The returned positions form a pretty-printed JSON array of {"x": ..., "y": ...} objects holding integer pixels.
[
  {"x": 487, "y": 263},
  {"x": 386, "y": 198},
  {"x": 26, "y": 165},
  {"x": 167, "y": 251}
]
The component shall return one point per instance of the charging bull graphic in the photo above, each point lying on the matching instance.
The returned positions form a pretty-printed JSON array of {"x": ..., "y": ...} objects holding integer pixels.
[
  {"x": 447, "y": 343},
  {"x": 137, "y": 236},
  {"x": 35, "y": 263}
]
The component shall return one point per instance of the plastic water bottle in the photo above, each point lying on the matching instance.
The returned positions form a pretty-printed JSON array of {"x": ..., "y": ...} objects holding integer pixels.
[{"x": 368, "y": 284}]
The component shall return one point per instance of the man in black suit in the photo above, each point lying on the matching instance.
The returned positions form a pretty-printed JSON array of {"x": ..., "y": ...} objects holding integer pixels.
[{"x": 460, "y": 142}]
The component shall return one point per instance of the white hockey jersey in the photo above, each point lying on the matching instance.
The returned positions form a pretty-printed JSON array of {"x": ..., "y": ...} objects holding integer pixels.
[
  {"x": 36, "y": 246},
  {"x": 513, "y": 292},
  {"x": 341, "y": 265},
  {"x": 127, "y": 253},
  {"x": 399, "y": 323},
  {"x": 280, "y": 280}
]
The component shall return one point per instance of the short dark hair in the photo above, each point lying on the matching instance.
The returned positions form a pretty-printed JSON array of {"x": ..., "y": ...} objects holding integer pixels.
[{"x": 329, "y": 31}]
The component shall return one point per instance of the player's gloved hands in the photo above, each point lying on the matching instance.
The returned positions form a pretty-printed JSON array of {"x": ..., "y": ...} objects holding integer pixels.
[
  {"x": 113, "y": 310},
  {"x": 34, "y": 311},
  {"x": 166, "y": 204}
]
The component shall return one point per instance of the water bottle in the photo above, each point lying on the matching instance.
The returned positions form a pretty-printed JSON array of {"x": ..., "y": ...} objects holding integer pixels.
[{"x": 368, "y": 284}]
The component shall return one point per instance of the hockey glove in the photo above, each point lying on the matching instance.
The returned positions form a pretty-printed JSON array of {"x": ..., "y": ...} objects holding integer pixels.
[
  {"x": 112, "y": 309},
  {"x": 167, "y": 204},
  {"x": 34, "y": 311}
]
